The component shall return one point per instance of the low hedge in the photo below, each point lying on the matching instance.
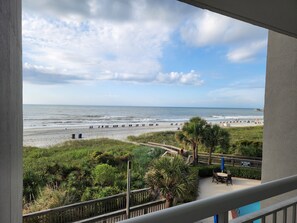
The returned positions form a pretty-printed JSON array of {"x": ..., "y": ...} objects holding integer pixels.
[
  {"x": 245, "y": 172},
  {"x": 242, "y": 172},
  {"x": 205, "y": 171}
]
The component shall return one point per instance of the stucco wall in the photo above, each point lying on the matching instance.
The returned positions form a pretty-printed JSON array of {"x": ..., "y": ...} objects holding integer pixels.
[
  {"x": 10, "y": 112},
  {"x": 280, "y": 115}
]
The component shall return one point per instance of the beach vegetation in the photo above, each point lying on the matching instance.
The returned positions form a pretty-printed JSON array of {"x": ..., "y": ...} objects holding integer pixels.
[
  {"x": 166, "y": 137},
  {"x": 104, "y": 175},
  {"x": 237, "y": 145},
  {"x": 242, "y": 172},
  {"x": 82, "y": 170},
  {"x": 49, "y": 197},
  {"x": 173, "y": 178},
  {"x": 248, "y": 148},
  {"x": 213, "y": 136},
  {"x": 192, "y": 134},
  {"x": 75, "y": 171}
]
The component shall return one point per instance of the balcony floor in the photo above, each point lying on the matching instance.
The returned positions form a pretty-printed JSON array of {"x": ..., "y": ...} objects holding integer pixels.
[{"x": 208, "y": 189}]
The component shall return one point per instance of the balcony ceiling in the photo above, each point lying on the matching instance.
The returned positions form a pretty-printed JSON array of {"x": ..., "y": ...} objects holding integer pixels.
[{"x": 276, "y": 15}]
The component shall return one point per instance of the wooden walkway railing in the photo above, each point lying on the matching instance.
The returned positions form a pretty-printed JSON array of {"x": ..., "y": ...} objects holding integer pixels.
[
  {"x": 231, "y": 160},
  {"x": 121, "y": 214},
  {"x": 88, "y": 209}
]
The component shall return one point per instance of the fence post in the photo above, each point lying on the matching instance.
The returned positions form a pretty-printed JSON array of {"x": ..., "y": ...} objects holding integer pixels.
[{"x": 128, "y": 189}]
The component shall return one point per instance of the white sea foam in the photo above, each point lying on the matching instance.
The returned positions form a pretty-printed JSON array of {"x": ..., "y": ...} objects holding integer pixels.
[{"x": 50, "y": 116}]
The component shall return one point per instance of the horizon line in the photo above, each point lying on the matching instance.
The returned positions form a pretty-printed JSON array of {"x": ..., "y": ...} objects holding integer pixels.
[{"x": 147, "y": 106}]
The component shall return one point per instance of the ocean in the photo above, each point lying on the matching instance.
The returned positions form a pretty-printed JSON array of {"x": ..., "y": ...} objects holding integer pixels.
[{"x": 43, "y": 116}]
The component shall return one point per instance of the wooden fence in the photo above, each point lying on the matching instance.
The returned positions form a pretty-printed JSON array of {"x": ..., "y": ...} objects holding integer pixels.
[
  {"x": 231, "y": 160},
  {"x": 88, "y": 209},
  {"x": 121, "y": 214}
]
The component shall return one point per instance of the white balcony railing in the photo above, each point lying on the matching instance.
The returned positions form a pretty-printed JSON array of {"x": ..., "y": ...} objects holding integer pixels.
[{"x": 220, "y": 205}]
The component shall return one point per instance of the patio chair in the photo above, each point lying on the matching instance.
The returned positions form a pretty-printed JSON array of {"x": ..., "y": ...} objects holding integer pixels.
[
  {"x": 229, "y": 179},
  {"x": 216, "y": 178}
]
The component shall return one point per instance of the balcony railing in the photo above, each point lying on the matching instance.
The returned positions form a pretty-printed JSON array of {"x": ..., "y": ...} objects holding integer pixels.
[
  {"x": 221, "y": 205},
  {"x": 275, "y": 213}
]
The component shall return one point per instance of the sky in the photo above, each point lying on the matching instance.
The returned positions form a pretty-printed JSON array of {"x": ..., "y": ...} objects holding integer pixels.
[{"x": 140, "y": 53}]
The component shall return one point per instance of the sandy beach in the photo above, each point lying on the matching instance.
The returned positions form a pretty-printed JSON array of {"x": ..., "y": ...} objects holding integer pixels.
[{"x": 45, "y": 137}]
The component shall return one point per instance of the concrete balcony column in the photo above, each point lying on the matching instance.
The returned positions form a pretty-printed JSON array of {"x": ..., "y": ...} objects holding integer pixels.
[
  {"x": 280, "y": 121},
  {"x": 11, "y": 132}
]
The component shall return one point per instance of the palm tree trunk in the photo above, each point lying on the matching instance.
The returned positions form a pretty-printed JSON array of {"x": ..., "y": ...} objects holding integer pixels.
[
  {"x": 169, "y": 203},
  {"x": 209, "y": 156},
  {"x": 194, "y": 154},
  {"x": 197, "y": 154}
]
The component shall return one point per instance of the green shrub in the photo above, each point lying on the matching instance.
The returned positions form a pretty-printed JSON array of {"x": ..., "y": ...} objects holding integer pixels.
[
  {"x": 167, "y": 137},
  {"x": 31, "y": 186},
  {"x": 254, "y": 133},
  {"x": 250, "y": 148},
  {"x": 245, "y": 172},
  {"x": 104, "y": 175},
  {"x": 242, "y": 172},
  {"x": 204, "y": 171},
  {"x": 71, "y": 167}
]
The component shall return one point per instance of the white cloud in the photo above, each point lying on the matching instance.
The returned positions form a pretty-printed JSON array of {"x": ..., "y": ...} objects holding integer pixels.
[
  {"x": 210, "y": 29},
  {"x": 191, "y": 78},
  {"x": 247, "y": 52},
  {"x": 94, "y": 40},
  {"x": 48, "y": 76},
  {"x": 57, "y": 52},
  {"x": 91, "y": 49},
  {"x": 115, "y": 10},
  {"x": 99, "y": 40}
]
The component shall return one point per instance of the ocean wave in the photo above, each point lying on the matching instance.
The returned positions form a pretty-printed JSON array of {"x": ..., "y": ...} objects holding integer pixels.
[
  {"x": 40, "y": 116},
  {"x": 239, "y": 117}
]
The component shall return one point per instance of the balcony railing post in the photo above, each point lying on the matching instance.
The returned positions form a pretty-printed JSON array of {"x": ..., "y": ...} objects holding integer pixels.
[
  {"x": 294, "y": 214},
  {"x": 223, "y": 217},
  {"x": 285, "y": 215}
]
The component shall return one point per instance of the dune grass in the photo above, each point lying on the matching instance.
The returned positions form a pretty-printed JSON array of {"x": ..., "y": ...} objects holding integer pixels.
[
  {"x": 167, "y": 137},
  {"x": 73, "y": 153},
  {"x": 236, "y": 134},
  {"x": 70, "y": 170}
]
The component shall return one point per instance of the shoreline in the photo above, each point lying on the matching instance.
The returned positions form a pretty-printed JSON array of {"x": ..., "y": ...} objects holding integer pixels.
[{"x": 50, "y": 136}]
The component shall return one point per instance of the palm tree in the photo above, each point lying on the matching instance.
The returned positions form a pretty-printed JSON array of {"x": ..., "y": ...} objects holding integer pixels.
[
  {"x": 172, "y": 178},
  {"x": 181, "y": 138},
  {"x": 192, "y": 134},
  {"x": 215, "y": 136}
]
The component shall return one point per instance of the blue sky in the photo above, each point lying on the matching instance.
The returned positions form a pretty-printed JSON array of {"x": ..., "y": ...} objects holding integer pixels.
[{"x": 140, "y": 52}]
